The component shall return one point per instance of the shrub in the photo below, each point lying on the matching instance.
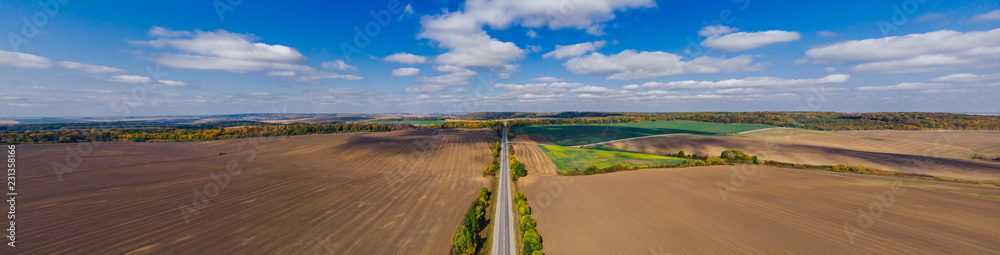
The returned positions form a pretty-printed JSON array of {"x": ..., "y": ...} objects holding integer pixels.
[
  {"x": 755, "y": 160},
  {"x": 527, "y": 223},
  {"x": 464, "y": 243},
  {"x": 841, "y": 168},
  {"x": 714, "y": 161},
  {"x": 680, "y": 154},
  {"x": 590, "y": 170},
  {"x": 531, "y": 242},
  {"x": 735, "y": 156}
]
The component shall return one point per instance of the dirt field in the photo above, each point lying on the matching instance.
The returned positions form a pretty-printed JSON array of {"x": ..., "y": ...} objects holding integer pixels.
[
  {"x": 775, "y": 211},
  {"x": 824, "y": 148},
  {"x": 319, "y": 194},
  {"x": 947, "y": 143},
  {"x": 535, "y": 160}
]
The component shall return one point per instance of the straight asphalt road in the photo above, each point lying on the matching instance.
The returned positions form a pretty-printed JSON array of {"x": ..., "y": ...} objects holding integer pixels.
[{"x": 503, "y": 224}]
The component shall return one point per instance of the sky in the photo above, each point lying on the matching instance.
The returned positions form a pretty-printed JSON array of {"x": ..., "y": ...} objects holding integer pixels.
[{"x": 146, "y": 58}]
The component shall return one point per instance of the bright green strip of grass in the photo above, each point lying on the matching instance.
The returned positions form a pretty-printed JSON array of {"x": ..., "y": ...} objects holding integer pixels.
[
  {"x": 567, "y": 159},
  {"x": 414, "y": 122},
  {"x": 572, "y": 135}
]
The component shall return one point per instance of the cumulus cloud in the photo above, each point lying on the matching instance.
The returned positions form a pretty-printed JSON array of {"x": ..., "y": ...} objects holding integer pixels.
[
  {"x": 89, "y": 68},
  {"x": 966, "y": 77},
  {"x": 405, "y": 71},
  {"x": 926, "y": 52},
  {"x": 905, "y": 86},
  {"x": 532, "y": 34},
  {"x": 166, "y": 32},
  {"x": 546, "y": 79},
  {"x": 993, "y": 15},
  {"x": 745, "y": 82},
  {"x": 723, "y": 39},
  {"x": 406, "y": 58},
  {"x": 630, "y": 65},
  {"x": 468, "y": 45},
  {"x": 426, "y": 88},
  {"x": 222, "y": 50},
  {"x": 282, "y": 73},
  {"x": 539, "y": 88},
  {"x": 23, "y": 60},
  {"x": 574, "y": 50},
  {"x": 316, "y": 76},
  {"x": 455, "y": 76},
  {"x": 339, "y": 65},
  {"x": 138, "y": 79}
]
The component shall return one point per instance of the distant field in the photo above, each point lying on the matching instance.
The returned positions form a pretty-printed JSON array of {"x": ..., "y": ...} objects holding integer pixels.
[
  {"x": 310, "y": 194},
  {"x": 567, "y": 158},
  {"x": 414, "y": 122},
  {"x": 776, "y": 211},
  {"x": 572, "y": 135}
]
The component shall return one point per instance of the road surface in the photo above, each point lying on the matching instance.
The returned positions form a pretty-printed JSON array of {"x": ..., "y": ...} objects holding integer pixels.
[{"x": 503, "y": 224}]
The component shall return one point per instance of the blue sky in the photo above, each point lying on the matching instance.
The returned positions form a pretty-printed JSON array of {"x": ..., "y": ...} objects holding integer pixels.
[{"x": 71, "y": 58}]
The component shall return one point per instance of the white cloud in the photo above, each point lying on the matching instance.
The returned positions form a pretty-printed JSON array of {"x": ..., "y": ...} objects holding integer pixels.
[
  {"x": 592, "y": 89},
  {"x": 539, "y": 88},
  {"x": 339, "y": 65},
  {"x": 462, "y": 33},
  {"x": 993, "y": 15},
  {"x": 316, "y": 76},
  {"x": 460, "y": 90},
  {"x": 723, "y": 39},
  {"x": 532, "y": 34},
  {"x": 282, "y": 73},
  {"x": 630, "y": 64},
  {"x": 932, "y": 51},
  {"x": 534, "y": 48},
  {"x": 426, "y": 88},
  {"x": 125, "y": 78},
  {"x": 456, "y": 76},
  {"x": 405, "y": 71},
  {"x": 631, "y": 87},
  {"x": 222, "y": 50},
  {"x": 905, "y": 86},
  {"x": 574, "y": 50},
  {"x": 23, "y": 60},
  {"x": 826, "y": 34},
  {"x": 166, "y": 32},
  {"x": 406, "y": 58},
  {"x": 546, "y": 79},
  {"x": 407, "y": 11},
  {"x": 966, "y": 77},
  {"x": 89, "y": 68},
  {"x": 918, "y": 64},
  {"x": 747, "y": 82}
]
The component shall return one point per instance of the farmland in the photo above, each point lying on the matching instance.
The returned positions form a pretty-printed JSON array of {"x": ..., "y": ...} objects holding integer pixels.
[
  {"x": 572, "y": 135},
  {"x": 938, "y": 153},
  {"x": 568, "y": 158},
  {"x": 775, "y": 211},
  {"x": 400, "y": 192},
  {"x": 414, "y": 122}
]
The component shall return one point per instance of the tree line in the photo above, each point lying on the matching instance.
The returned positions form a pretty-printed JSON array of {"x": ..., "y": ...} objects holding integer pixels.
[
  {"x": 806, "y": 120},
  {"x": 469, "y": 240},
  {"x": 194, "y": 134}
]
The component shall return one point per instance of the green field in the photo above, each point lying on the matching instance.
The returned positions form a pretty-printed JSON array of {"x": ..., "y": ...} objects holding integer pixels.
[
  {"x": 414, "y": 122},
  {"x": 567, "y": 158},
  {"x": 572, "y": 135}
]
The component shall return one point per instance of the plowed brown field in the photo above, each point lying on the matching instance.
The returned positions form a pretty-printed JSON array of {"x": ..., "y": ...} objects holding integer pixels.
[
  {"x": 941, "y": 153},
  {"x": 401, "y": 192},
  {"x": 775, "y": 211}
]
